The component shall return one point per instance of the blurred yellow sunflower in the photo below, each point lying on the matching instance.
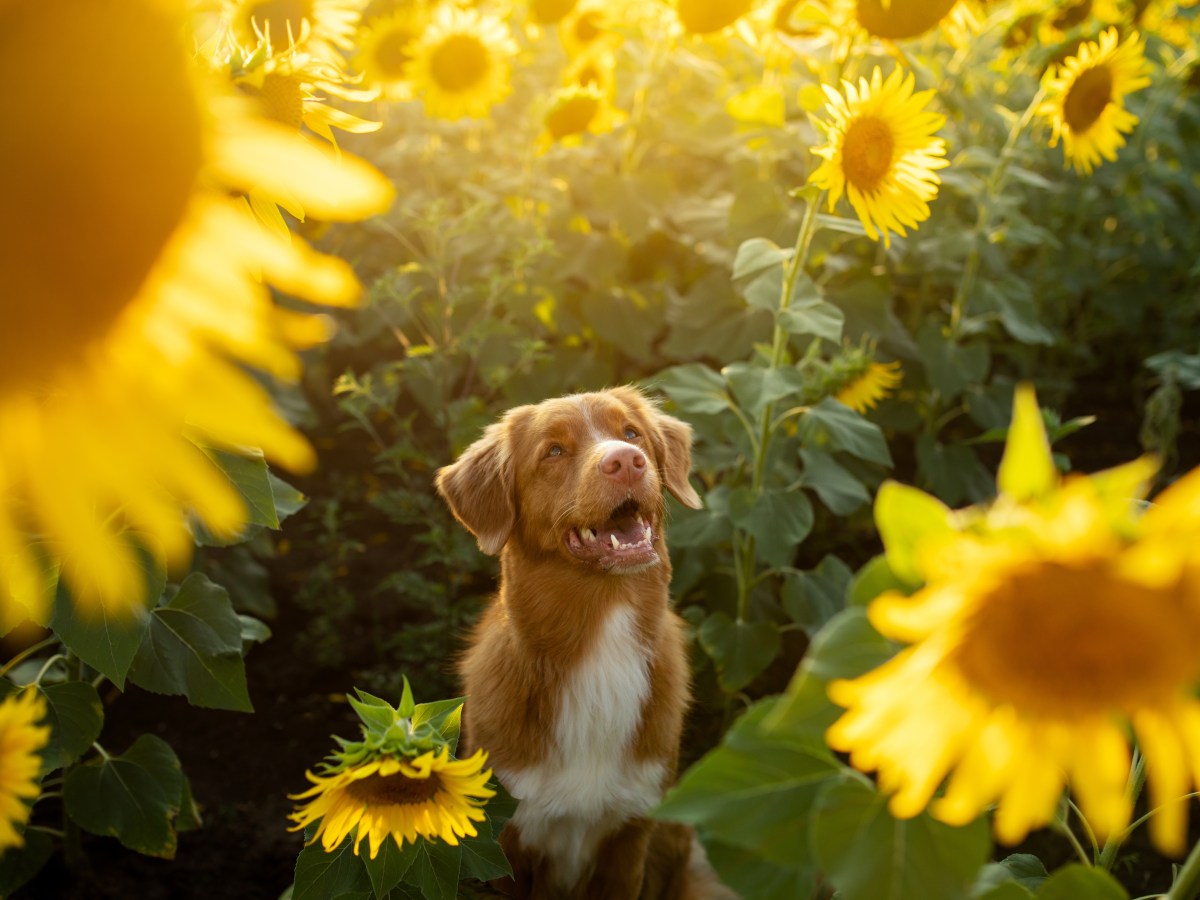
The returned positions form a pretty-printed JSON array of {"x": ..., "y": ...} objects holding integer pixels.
[
  {"x": 708, "y": 16},
  {"x": 385, "y": 46},
  {"x": 21, "y": 737},
  {"x": 429, "y": 796},
  {"x": 1085, "y": 103},
  {"x": 595, "y": 69},
  {"x": 899, "y": 20},
  {"x": 876, "y": 383},
  {"x": 576, "y": 110},
  {"x": 881, "y": 152},
  {"x": 124, "y": 346},
  {"x": 588, "y": 29},
  {"x": 323, "y": 27},
  {"x": 550, "y": 12},
  {"x": 461, "y": 64},
  {"x": 1049, "y": 623}
]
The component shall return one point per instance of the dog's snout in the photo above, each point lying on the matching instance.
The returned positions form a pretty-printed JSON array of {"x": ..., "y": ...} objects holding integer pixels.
[{"x": 624, "y": 463}]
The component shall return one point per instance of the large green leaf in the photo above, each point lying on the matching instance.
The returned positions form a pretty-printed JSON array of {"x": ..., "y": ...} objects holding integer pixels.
[
  {"x": 954, "y": 471},
  {"x": 779, "y": 520},
  {"x": 320, "y": 875},
  {"x": 812, "y": 598},
  {"x": 740, "y": 650},
  {"x": 751, "y": 876},
  {"x": 809, "y": 313},
  {"x": 869, "y": 855},
  {"x": 832, "y": 426},
  {"x": 444, "y": 716},
  {"x": 952, "y": 367},
  {"x": 389, "y": 866},
  {"x": 837, "y": 488},
  {"x": 755, "y": 386},
  {"x": 703, "y": 527},
  {"x": 76, "y": 716},
  {"x": 106, "y": 635},
  {"x": 251, "y": 478},
  {"x": 482, "y": 856},
  {"x": 847, "y": 647},
  {"x": 435, "y": 870},
  {"x": 695, "y": 389},
  {"x": 194, "y": 648},
  {"x": 755, "y": 790},
  {"x": 755, "y": 258},
  {"x": 18, "y": 865},
  {"x": 875, "y": 577},
  {"x": 1079, "y": 882},
  {"x": 133, "y": 797}
]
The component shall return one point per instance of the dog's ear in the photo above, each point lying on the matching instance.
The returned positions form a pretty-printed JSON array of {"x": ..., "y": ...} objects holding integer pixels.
[
  {"x": 478, "y": 487},
  {"x": 673, "y": 446}
]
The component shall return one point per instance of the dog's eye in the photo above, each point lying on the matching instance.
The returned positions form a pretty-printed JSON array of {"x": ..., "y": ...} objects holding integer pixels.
[
  {"x": 555, "y": 450},
  {"x": 631, "y": 434}
]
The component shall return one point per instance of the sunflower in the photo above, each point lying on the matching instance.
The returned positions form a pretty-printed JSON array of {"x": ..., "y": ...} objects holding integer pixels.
[
  {"x": 430, "y": 796},
  {"x": 588, "y": 29},
  {"x": 550, "y": 12},
  {"x": 1049, "y": 622},
  {"x": 124, "y": 347},
  {"x": 460, "y": 66},
  {"x": 324, "y": 27},
  {"x": 881, "y": 152},
  {"x": 1085, "y": 105},
  {"x": 899, "y": 20},
  {"x": 576, "y": 110},
  {"x": 385, "y": 47},
  {"x": 709, "y": 16},
  {"x": 21, "y": 737},
  {"x": 875, "y": 383}
]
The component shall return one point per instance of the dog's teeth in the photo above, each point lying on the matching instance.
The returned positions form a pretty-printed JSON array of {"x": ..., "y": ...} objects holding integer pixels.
[
  {"x": 646, "y": 532},
  {"x": 588, "y": 535},
  {"x": 616, "y": 544}
]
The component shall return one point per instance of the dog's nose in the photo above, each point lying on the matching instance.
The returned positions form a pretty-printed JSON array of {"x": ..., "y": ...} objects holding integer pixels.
[{"x": 624, "y": 463}]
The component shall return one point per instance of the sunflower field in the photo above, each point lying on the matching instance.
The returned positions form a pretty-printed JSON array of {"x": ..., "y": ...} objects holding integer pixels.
[{"x": 922, "y": 275}]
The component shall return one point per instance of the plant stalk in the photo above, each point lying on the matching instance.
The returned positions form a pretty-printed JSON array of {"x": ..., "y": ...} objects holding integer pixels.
[
  {"x": 1187, "y": 881},
  {"x": 1113, "y": 843}
]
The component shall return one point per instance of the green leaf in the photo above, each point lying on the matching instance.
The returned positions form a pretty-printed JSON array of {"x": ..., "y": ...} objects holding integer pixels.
[
  {"x": 847, "y": 647},
  {"x": 436, "y": 870},
  {"x": 805, "y": 710},
  {"x": 377, "y": 714},
  {"x": 869, "y": 855},
  {"x": 250, "y": 475},
  {"x": 107, "y": 636},
  {"x": 754, "y": 258},
  {"x": 812, "y": 598},
  {"x": 875, "y": 577},
  {"x": 754, "y": 791},
  {"x": 134, "y": 797},
  {"x": 288, "y": 500},
  {"x": 407, "y": 704},
  {"x": 906, "y": 518},
  {"x": 320, "y": 875},
  {"x": 695, "y": 389},
  {"x": 751, "y": 876},
  {"x": 389, "y": 866},
  {"x": 482, "y": 856},
  {"x": 704, "y": 527},
  {"x": 755, "y": 386},
  {"x": 954, "y": 471},
  {"x": 809, "y": 313},
  {"x": 18, "y": 865},
  {"x": 1025, "y": 869},
  {"x": 76, "y": 716},
  {"x": 837, "y": 488},
  {"x": 1027, "y": 470},
  {"x": 952, "y": 367},
  {"x": 254, "y": 631},
  {"x": 194, "y": 648},
  {"x": 1008, "y": 890},
  {"x": 779, "y": 520},
  {"x": 1079, "y": 882},
  {"x": 832, "y": 426},
  {"x": 189, "y": 813},
  {"x": 740, "y": 650},
  {"x": 443, "y": 715}
]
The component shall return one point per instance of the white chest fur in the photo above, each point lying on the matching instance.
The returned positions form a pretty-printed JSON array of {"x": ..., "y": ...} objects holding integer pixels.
[{"x": 574, "y": 798}]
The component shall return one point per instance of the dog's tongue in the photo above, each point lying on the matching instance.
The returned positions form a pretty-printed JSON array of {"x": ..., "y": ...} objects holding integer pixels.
[{"x": 625, "y": 529}]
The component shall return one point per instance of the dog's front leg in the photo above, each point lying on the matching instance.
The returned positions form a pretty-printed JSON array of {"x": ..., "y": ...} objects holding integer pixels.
[{"x": 620, "y": 864}]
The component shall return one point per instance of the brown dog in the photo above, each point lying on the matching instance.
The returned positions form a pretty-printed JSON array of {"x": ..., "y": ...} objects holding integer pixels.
[{"x": 577, "y": 675}]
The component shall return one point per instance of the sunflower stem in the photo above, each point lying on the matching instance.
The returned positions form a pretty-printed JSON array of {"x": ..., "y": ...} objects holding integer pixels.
[
  {"x": 1113, "y": 843},
  {"x": 991, "y": 191},
  {"x": 25, "y": 654},
  {"x": 72, "y": 836},
  {"x": 808, "y": 226}
]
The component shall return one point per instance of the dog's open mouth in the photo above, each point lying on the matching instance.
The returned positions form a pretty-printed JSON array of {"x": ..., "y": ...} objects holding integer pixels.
[{"x": 624, "y": 540}]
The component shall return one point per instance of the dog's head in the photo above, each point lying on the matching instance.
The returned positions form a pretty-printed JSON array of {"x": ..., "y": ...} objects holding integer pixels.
[{"x": 580, "y": 476}]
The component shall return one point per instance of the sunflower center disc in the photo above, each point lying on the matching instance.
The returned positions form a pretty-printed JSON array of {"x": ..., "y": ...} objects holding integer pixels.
[
  {"x": 548, "y": 12},
  {"x": 572, "y": 116},
  {"x": 1072, "y": 642},
  {"x": 901, "y": 19},
  {"x": 867, "y": 152},
  {"x": 396, "y": 790},
  {"x": 460, "y": 63},
  {"x": 106, "y": 160},
  {"x": 283, "y": 99},
  {"x": 1091, "y": 92},
  {"x": 707, "y": 16}
]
